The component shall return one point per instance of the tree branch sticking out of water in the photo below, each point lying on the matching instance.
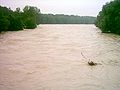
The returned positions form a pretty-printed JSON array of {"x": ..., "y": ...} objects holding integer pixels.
[{"x": 91, "y": 63}]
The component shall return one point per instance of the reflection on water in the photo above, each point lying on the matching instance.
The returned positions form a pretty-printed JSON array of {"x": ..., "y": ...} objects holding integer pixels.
[{"x": 49, "y": 58}]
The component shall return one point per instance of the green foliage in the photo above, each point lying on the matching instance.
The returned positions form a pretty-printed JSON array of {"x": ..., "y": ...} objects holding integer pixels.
[
  {"x": 108, "y": 19},
  {"x": 30, "y": 23},
  {"x": 15, "y": 23},
  {"x": 17, "y": 20},
  {"x": 32, "y": 13},
  {"x": 4, "y": 24},
  {"x": 66, "y": 19}
]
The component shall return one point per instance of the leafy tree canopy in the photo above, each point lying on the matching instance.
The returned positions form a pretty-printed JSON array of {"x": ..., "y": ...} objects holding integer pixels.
[{"x": 108, "y": 20}]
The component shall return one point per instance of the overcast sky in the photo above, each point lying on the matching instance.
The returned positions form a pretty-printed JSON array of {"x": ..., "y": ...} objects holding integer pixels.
[{"x": 71, "y": 7}]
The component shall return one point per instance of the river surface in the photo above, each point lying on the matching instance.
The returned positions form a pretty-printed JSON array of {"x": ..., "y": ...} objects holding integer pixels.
[{"x": 55, "y": 57}]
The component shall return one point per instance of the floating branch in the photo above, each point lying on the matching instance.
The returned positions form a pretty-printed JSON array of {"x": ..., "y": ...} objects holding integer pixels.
[
  {"x": 91, "y": 63},
  {"x": 83, "y": 55}
]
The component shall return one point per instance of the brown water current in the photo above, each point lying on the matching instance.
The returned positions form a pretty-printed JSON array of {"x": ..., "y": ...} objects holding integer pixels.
[{"x": 50, "y": 58}]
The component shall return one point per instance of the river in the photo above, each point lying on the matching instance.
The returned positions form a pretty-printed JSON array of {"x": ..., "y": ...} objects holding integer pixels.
[{"x": 55, "y": 57}]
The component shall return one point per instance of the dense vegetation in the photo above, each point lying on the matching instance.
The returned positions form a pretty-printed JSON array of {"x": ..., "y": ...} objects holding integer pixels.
[
  {"x": 17, "y": 20},
  {"x": 108, "y": 19},
  {"x": 66, "y": 19},
  {"x": 30, "y": 17}
]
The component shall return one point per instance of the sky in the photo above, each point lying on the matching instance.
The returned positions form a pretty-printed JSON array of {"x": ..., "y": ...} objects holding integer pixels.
[{"x": 69, "y": 7}]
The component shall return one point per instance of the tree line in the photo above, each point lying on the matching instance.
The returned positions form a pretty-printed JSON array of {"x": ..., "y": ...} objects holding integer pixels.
[
  {"x": 18, "y": 20},
  {"x": 108, "y": 20},
  {"x": 66, "y": 19},
  {"x": 30, "y": 17}
]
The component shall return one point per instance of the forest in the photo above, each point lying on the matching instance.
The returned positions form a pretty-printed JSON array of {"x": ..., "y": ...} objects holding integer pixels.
[
  {"x": 17, "y": 20},
  {"x": 108, "y": 20},
  {"x": 30, "y": 17},
  {"x": 66, "y": 19}
]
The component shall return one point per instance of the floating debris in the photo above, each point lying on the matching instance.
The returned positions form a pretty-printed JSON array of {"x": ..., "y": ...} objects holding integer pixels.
[{"x": 91, "y": 63}]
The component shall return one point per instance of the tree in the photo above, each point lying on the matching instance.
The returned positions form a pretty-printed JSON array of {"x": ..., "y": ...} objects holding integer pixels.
[
  {"x": 4, "y": 21},
  {"x": 4, "y": 24},
  {"x": 30, "y": 23},
  {"x": 15, "y": 23},
  {"x": 108, "y": 20},
  {"x": 31, "y": 17},
  {"x": 18, "y": 20}
]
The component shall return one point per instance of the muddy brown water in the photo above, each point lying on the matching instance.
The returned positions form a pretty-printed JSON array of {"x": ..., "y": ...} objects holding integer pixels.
[{"x": 50, "y": 58}]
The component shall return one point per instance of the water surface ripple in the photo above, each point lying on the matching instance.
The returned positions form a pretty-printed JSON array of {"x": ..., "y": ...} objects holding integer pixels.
[{"x": 49, "y": 58}]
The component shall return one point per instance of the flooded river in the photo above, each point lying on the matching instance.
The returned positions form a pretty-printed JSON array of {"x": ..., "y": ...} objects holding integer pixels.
[{"x": 55, "y": 57}]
